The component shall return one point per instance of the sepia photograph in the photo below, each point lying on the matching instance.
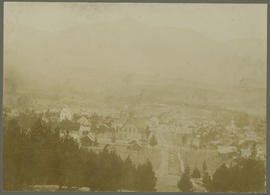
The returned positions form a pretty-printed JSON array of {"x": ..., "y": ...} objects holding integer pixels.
[{"x": 134, "y": 97}]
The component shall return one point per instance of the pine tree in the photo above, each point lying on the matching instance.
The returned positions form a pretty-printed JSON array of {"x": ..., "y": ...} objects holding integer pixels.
[
  {"x": 147, "y": 132},
  {"x": 129, "y": 171},
  {"x": 185, "y": 184},
  {"x": 206, "y": 181},
  {"x": 204, "y": 167},
  {"x": 221, "y": 180},
  {"x": 153, "y": 140},
  {"x": 145, "y": 178},
  {"x": 96, "y": 142},
  {"x": 196, "y": 173}
]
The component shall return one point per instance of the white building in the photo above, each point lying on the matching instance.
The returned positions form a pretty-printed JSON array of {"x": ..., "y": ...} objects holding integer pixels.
[
  {"x": 250, "y": 135},
  {"x": 153, "y": 123},
  {"x": 84, "y": 129},
  {"x": 13, "y": 113},
  {"x": 226, "y": 149},
  {"x": 83, "y": 121},
  {"x": 232, "y": 128},
  {"x": 245, "y": 152},
  {"x": 65, "y": 114},
  {"x": 84, "y": 125}
]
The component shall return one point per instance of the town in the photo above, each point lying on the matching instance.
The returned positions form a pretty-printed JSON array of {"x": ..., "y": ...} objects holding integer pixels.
[
  {"x": 171, "y": 137},
  {"x": 134, "y": 97}
]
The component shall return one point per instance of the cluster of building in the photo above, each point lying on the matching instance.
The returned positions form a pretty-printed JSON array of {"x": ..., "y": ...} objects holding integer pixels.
[{"x": 135, "y": 127}]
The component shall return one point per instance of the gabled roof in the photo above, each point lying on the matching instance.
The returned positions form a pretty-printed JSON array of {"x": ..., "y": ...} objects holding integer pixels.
[
  {"x": 88, "y": 138},
  {"x": 84, "y": 128},
  {"x": 83, "y": 120},
  {"x": 91, "y": 136},
  {"x": 226, "y": 149},
  {"x": 139, "y": 123}
]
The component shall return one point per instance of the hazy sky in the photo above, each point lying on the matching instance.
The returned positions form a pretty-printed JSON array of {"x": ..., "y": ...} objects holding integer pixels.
[
  {"x": 97, "y": 48},
  {"x": 220, "y": 21},
  {"x": 211, "y": 43}
]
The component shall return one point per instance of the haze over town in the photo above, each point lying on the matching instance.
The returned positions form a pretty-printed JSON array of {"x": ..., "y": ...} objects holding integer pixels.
[{"x": 181, "y": 84}]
